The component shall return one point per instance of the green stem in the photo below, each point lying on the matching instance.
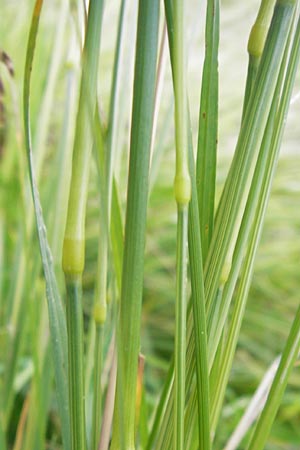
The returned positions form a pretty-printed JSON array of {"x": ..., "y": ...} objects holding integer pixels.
[
  {"x": 136, "y": 213},
  {"x": 97, "y": 401},
  {"x": 208, "y": 127},
  {"x": 114, "y": 106},
  {"x": 180, "y": 330},
  {"x": 199, "y": 314},
  {"x": 75, "y": 352},
  {"x": 182, "y": 187}
]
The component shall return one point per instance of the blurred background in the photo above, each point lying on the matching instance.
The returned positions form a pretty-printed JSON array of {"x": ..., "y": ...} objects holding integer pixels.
[{"x": 276, "y": 284}]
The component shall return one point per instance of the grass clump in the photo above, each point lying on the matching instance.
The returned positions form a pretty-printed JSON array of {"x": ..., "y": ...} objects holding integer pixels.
[{"x": 105, "y": 336}]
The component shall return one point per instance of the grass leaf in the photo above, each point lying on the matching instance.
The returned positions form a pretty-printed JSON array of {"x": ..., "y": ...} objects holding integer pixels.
[{"x": 57, "y": 320}]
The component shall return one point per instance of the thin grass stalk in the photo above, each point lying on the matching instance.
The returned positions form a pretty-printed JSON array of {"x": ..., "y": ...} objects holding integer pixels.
[
  {"x": 75, "y": 353},
  {"x": 161, "y": 66},
  {"x": 100, "y": 302},
  {"x": 180, "y": 330},
  {"x": 132, "y": 276},
  {"x": 117, "y": 235},
  {"x": 208, "y": 127},
  {"x": 97, "y": 401},
  {"x": 198, "y": 302},
  {"x": 182, "y": 188},
  {"x": 107, "y": 174},
  {"x": 48, "y": 101},
  {"x": 74, "y": 240},
  {"x": 56, "y": 312},
  {"x": 199, "y": 316},
  {"x": 114, "y": 106}
]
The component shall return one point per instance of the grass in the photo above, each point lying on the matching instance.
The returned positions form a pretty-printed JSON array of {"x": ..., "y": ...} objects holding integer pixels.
[{"x": 73, "y": 375}]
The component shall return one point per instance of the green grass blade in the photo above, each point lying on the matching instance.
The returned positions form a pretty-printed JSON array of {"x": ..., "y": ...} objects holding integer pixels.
[
  {"x": 97, "y": 401},
  {"x": 132, "y": 276},
  {"x": 208, "y": 127},
  {"x": 75, "y": 355},
  {"x": 180, "y": 327},
  {"x": 117, "y": 238},
  {"x": 114, "y": 105},
  {"x": 199, "y": 315},
  {"x": 56, "y": 312}
]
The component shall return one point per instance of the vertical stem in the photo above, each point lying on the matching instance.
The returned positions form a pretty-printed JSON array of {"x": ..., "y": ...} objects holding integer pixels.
[
  {"x": 74, "y": 239},
  {"x": 182, "y": 187},
  {"x": 208, "y": 127},
  {"x": 180, "y": 333},
  {"x": 97, "y": 401},
  {"x": 136, "y": 214},
  {"x": 75, "y": 351}
]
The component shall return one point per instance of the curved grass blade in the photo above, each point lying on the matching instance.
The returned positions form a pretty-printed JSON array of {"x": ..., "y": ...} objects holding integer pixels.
[{"x": 57, "y": 320}]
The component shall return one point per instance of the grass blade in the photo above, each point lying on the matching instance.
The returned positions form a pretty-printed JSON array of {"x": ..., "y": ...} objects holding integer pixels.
[
  {"x": 132, "y": 279},
  {"x": 56, "y": 312},
  {"x": 208, "y": 127}
]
